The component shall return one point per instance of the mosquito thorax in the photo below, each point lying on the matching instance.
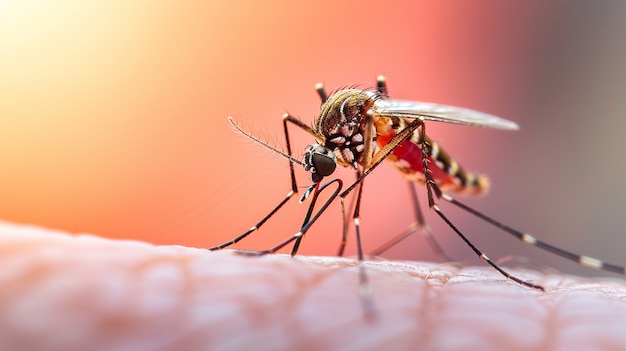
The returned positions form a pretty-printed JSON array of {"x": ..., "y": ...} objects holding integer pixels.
[
  {"x": 320, "y": 161},
  {"x": 342, "y": 123}
]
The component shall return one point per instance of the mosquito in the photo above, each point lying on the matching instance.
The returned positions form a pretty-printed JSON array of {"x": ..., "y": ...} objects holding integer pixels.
[{"x": 358, "y": 129}]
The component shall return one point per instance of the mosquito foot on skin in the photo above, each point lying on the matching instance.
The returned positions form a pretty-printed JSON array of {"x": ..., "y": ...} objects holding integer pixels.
[{"x": 250, "y": 253}]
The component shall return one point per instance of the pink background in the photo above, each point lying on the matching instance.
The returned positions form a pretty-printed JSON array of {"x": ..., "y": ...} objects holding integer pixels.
[{"x": 113, "y": 116}]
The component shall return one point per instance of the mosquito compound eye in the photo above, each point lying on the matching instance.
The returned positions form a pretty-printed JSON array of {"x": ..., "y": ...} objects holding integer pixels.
[
  {"x": 320, "y": 160},
  {"x": 323, "y": 163}
]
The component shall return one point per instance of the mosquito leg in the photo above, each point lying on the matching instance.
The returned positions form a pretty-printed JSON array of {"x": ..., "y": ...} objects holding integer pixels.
[
  {"x": 344, "y": 232},
  {"x": 376, "y": 160},
  {"x": 319, "y": 87},
  {"x": 365, "y": 288},
  {"x": 356, "y": 218},
  {"x": 307, "y": 219},
  {"x": 430, "y": 183},
  {"x": 419, "y": 224},
  {"x": 294, "y": 185},
  {"x": 254, "y": 227},
  {"x": 307, "y": 223},
  {"x": 483, "y": 255},
  {"x": 381, "y": 85},
  {"x": 345, "y": 220},
  {"x": 431, "y": 187},
  {"x": 396, "y": 239},
  {"x": 529, "y": 239},
  {"x": 387, "y": 150}
]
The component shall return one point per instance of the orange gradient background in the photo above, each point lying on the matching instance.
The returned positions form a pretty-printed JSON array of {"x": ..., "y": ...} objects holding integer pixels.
[{"x": 113, "y": 116}]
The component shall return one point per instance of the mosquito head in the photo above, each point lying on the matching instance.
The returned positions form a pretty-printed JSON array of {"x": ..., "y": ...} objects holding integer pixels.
[{"x": 320, "y": 161}]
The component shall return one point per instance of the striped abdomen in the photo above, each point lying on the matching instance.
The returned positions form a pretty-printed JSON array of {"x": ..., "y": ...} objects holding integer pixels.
[{"x": 407, "y": 158}]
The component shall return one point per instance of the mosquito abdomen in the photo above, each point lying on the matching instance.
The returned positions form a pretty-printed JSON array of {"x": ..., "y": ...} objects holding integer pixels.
[{"x": 445, "y": 170}]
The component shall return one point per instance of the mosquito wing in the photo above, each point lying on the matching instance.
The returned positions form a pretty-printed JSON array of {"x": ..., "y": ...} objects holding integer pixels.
[{"x": 440, "y": 113}]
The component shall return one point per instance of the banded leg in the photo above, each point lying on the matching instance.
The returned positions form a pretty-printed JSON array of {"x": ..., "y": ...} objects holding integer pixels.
[
  {"x": 529, "y": 239},
  {"x": 483, "y": 256},
  {"x": 431, "y": 187}
]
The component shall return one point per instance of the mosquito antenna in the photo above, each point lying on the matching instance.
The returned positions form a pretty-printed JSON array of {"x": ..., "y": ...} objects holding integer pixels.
[{"x": 263, "y": 143}]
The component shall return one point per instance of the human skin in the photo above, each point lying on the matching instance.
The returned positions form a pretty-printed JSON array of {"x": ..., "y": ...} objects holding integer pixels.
[{"x": 81, "y": 292}]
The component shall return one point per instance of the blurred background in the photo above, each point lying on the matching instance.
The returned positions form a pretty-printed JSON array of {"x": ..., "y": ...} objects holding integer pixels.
[{"x": 113, "y": 117}]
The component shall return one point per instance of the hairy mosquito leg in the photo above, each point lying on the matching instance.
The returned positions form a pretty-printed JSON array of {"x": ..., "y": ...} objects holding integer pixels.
[
  {"x": 529, "y": 239},
  {"x": 307, "y": 223},
  {"x": 418, "y": 225},
  {"x": 430, "y": 183}
]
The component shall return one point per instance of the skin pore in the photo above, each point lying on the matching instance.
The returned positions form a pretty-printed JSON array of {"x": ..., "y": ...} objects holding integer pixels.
[{"x": 72, "y": 292}]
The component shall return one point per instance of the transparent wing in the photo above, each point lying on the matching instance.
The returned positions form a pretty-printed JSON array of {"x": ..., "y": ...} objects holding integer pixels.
[{"x": 440, "y": 113}]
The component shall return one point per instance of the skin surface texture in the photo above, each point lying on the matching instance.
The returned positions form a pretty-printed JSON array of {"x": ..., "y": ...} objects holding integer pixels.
[{"x": 82, "y": 292}]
